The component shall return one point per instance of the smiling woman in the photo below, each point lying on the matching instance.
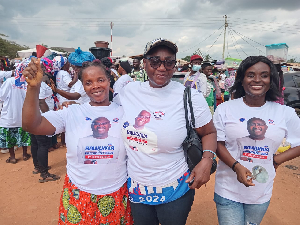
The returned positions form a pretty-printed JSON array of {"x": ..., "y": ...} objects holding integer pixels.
[
  {"x": 250, "y": 129},
  {"x": 95, "y": 188}
]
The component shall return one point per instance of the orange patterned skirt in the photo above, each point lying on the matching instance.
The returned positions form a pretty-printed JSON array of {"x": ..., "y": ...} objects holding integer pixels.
[{"x": 79, "y": 207}]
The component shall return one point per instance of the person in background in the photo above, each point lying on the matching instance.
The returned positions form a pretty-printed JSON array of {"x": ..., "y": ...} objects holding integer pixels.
[
  {"x": 40, "y": 144},
  {"x": 195, "y": 79},
  {"x": 92, "y": 193},
  {"x": 124, "y": 68},
  {"x": 107, "y": 62},
  {"x": 12, "y": 94},
  {"x": 138, "y": 73},
  {"x": 229, "y": 81},
  {"x": 153, "y": 129},
  {"x": 252, "y": 126}
]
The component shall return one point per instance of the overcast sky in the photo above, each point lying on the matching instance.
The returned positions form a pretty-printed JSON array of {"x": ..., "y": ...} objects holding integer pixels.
[{"x": 191, "y": 24}]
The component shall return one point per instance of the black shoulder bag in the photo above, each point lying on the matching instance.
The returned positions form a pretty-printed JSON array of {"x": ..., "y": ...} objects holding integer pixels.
[{"x": 192, "y": 145}]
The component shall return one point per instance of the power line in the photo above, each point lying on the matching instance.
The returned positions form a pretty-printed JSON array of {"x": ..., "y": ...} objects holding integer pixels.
[
  {"x": 237, "y": 42},
  {"x": 235, "y": 46},
  {"x": 203, "y": 39}
]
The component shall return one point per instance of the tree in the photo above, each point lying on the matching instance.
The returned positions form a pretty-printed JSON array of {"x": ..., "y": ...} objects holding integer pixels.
[
  {"x": 207, "y": 57},
  {"x": 293, "y": 60},
  {"x": 187, "y": 58},
  {"x": 10, "y": 48},
  {"x": 58, "y": 49}
]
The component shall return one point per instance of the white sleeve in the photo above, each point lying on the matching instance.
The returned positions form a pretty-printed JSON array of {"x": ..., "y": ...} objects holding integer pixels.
[
  {"x": 57, "y": 119},
  {"x": 5, "y": 90},
  {"x": 293, "y": 127},
  {"x": 119, "y": 85},
  {"x": 44, "y": 90},
  {"x": 66, "y": 78},
  {"x": 202, "y": 84},
  {"x": 200, "y": 108},
  {"x": 219, "y": 124}
]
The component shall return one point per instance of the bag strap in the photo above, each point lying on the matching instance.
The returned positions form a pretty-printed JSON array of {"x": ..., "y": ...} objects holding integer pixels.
[{"x": 187, "y": 100}]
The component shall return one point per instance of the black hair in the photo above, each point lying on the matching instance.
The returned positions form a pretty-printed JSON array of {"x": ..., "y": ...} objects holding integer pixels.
[
  {"x": 96, "y": 63},
  {"x": 34, "y": 54},
  {"x": 204, "y": 65},
  {"x": 238, "y": 90},
  {"x": 126, "y": 66},
  {"x": 106, "y": 62}
]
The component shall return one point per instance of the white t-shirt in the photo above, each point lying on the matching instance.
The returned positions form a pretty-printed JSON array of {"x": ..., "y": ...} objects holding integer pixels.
[
  {"x": 13, "y": 98},
  {"x": 105, "y": 176},
  {"x": 155, "y": 154},
  {"x": 200, "y": 84},
  {"x": 230, "y": 120},
  {"x": 4, "y": 75},
  {"x": 78, "y": 87},
  {"x": 46, "y": 93},
  {"x": 63, "y": 78}
]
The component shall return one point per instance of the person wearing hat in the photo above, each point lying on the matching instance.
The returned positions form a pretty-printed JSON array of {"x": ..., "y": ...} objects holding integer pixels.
[
  {"x": 195, "y": 79},
  {"x": 158, "y": 174}
]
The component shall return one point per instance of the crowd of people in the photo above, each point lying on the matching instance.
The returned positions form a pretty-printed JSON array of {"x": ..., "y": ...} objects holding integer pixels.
[{"x": 123, "y": 127}]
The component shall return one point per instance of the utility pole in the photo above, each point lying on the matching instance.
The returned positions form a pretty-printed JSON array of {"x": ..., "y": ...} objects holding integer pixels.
[
  {"x": 111, "y": 28},
  {"x": 226, "y": 25}
]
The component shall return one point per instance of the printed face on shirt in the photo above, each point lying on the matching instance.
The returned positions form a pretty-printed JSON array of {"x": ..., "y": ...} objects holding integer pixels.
[
  {"x": 257, "y": 128},
  {"x": 257, "y": 80},
  {"x": 160, "y": 76},
  {"x": 100, "y": 127},
  {"x": 96, "y": 85},
  {"x": 142, "y": 119}
]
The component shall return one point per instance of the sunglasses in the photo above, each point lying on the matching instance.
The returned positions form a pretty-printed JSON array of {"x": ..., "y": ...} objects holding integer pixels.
[{"x": 155, "y": 62}]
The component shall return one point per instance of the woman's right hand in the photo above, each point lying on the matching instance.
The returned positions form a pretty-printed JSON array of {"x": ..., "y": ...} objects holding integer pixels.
[
  {"x": 243, "y": 175},
  {"x": 52, "y": 85},
  {"x": 33, "y": 73}
]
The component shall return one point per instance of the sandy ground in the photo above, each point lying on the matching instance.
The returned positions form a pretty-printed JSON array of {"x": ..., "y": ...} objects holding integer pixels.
[{"x": 25, "y": 201}]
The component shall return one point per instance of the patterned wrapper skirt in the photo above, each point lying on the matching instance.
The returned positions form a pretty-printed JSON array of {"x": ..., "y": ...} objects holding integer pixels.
[
  {"x": 16, "y": 136},
  {"x": 79, "y": 207}
]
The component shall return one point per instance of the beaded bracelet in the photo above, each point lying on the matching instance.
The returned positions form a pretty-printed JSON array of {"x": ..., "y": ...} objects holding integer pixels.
[
  {"x": 236, "y": 162},
  {"x": 215, "y": 155}
]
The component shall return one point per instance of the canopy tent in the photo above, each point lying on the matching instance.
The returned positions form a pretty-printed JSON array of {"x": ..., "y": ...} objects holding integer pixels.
[{"x": 28, "y": 52}]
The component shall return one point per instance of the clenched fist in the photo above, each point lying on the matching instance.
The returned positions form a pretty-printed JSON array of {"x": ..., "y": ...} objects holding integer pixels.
[{"x": 33, "y": 73}]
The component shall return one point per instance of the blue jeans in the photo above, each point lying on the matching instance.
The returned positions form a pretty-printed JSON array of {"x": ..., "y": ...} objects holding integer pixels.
[
  {"x": 236, "y": 213},
  {"x": 172, "y": 213}
]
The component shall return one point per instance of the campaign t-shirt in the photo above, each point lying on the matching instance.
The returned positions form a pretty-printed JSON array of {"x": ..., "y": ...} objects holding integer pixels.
[
  {"x": 252, "y": 135},
  {"x": 63, "y": 78},
  {"x": 46, "y": 93},
  {"x": 78, "y": 87},
  {"x": 13, "y": 98},
  {"x": 154, "y": 128},
  {"x": 4, "y": 75},
  {"x": 95, "y": 164}
]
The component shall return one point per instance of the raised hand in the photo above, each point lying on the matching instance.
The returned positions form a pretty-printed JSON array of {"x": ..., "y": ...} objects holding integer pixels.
[{"x": 33, "y": 73}]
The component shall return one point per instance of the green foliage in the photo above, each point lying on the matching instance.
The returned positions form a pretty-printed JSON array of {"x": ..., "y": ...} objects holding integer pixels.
[
  {"x": 10, "y": 48},
  {"x": 58, "y": 49},
  {"x": 207, "y": 57},
  {"x": 187, "y": 58},
  {"x": 293, "y": 60}
]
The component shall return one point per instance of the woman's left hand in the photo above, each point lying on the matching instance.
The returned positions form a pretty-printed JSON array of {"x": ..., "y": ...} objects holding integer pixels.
[{"x": 200, "y": 174}]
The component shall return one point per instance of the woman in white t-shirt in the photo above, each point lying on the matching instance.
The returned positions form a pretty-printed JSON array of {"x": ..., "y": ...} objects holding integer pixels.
[
  {"x": 95, "y": 189},
  {"x": 153, "y": 129},
  {"x": 250, "y": 129}
]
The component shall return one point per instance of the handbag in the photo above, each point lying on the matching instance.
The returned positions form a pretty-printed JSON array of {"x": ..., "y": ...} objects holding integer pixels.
[{"x": 192, "y": 145}]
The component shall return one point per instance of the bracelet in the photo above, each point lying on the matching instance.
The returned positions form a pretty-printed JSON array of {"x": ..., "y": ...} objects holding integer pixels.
[
  {"x": 236, "y": 162},
  {"x": 215, "y": 155}
]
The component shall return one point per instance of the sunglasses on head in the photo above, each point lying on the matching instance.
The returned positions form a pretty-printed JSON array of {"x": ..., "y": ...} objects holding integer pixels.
[{"x": 155, "y": 62}]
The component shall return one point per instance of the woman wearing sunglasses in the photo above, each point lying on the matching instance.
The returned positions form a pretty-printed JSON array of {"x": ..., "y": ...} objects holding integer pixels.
[{"x": 154, "y": 128}]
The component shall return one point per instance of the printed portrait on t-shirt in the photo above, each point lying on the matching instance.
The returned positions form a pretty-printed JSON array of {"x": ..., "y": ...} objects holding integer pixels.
[
  {"x": 138, "y": 137},
  {"x": 255, "y": 147},
  {"x": 99, "y": 148}
]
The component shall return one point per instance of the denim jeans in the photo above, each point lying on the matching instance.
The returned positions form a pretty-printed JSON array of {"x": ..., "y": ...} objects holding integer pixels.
[
  {"x": 172, "y": 213},
  {"x": 236, "y": 213},
  {"x": 39, "y": 150}
]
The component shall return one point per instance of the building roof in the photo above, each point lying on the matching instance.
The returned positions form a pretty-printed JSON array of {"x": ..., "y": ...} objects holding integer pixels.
[{"x": 69, "y": 50}]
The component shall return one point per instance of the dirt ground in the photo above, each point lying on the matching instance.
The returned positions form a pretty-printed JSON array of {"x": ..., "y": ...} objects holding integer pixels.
[{"x": 25, "y": 201}]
